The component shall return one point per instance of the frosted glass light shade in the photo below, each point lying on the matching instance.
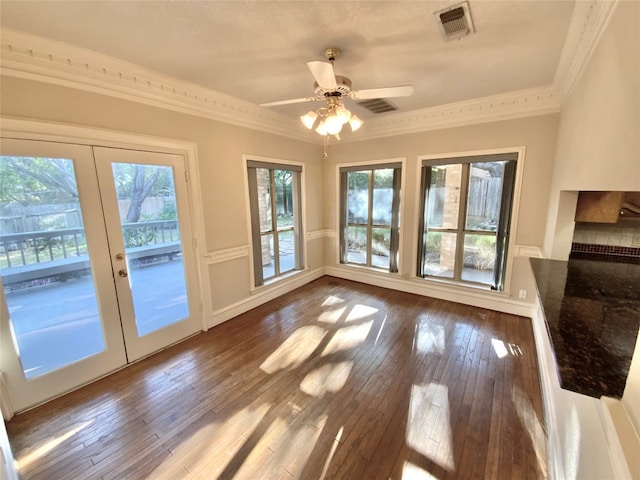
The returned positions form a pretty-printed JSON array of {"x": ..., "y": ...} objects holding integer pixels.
[
  {"x": 333, "y": 124},
  {"x": 343, "y": 114},
  {"x": 355, "y": 123},
  {"x": 309, "y": 119},
  {"x": 321, "y": 129}
]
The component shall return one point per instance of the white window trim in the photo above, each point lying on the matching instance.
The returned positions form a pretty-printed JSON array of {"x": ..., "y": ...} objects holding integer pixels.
[
  {"x": 515, "y": 209},
  {"x": 403, "y": 188},
  {"x": 271, "y": 282}
]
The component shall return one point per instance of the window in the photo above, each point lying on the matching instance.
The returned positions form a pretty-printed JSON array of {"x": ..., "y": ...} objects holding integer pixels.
[
  {"x": 369, "y": 215},
  {"x": 276, "y": 220},
  {"x": 466, "y": 211}
]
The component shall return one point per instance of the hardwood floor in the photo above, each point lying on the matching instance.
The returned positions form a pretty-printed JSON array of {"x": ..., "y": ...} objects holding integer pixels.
[{"x": 335, "y": 380}]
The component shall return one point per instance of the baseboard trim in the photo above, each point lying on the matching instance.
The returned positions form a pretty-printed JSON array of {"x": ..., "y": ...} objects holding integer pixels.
[
  {"x": 263, "y": 295},
  {"x": 458, "y": 294}
]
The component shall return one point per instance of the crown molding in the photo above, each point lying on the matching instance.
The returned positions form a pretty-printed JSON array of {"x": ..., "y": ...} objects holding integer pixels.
[
  {"x": 37, "y": 58},
  {"x": 506, "y": 106},
  {"x": 588, "y": 22}
]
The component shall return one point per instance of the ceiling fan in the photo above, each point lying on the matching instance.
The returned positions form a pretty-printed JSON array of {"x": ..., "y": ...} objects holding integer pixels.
[{"x": 333, "y": 89}]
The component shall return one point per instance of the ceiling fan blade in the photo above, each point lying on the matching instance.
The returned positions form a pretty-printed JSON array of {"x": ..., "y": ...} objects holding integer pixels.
[
  {"x": 387, "y": 92},
  {"x": 287, "y": 102},
  {"x": 324, "y": 74}
]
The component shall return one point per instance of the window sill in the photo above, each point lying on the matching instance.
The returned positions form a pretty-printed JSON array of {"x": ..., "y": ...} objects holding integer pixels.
[
  {"x": 476, "y": 287},
  {"x": 367, "y": 269},
  {"x": 278, "y": 280}
]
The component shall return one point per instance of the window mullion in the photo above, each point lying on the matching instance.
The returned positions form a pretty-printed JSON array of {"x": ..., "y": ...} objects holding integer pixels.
[
  {"x": 370, "y": 220},
  {"x": 462, "y": 220},
  {"x": 274, "y": 223}
]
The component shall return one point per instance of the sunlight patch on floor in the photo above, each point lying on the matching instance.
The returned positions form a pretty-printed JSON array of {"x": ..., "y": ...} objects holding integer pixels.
[
  {"x": 334, "y": 446},
  {"x": 347, "y": 338},
  {"x": 413, "y": 472},
  {"x": 429, "y": 424},
  {"x": 330, "y": 377},
  {"x": 503, "y": 349},
  {"x": 47, "y": 446},
  {"x": 332, "y": 300},
  {"x": 294, "y": 350},
  {"x": 532, "y": 425},
  {"x": 359, "y": 312},
  {"x": 332, "y": 316},
  {"x": 295, "y": 452},
  {"x": 215, "y": 442},
  {"x": 499, "y": 347},
  {"x": 384, "y": 321},
  {"x": 429, "y": 338}
]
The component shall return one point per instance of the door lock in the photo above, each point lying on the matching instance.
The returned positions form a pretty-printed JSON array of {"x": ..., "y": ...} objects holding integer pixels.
[{"x": 123, "y": 273}]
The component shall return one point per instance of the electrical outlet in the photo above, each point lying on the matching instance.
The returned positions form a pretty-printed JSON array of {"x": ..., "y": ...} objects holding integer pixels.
[{"x": 522, "y": 294}]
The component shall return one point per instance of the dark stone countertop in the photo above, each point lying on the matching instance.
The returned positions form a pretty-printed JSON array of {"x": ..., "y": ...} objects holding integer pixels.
[{"x": 592, "y": 312}]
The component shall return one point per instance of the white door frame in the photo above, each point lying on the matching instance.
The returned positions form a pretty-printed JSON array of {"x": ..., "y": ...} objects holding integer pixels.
[{"x": 89, "y": 136}]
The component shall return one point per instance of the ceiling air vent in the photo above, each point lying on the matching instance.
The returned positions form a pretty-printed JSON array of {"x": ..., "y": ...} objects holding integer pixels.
[
  {"x": 378, "y": 105},
  {"x": 455, "y": 21}
]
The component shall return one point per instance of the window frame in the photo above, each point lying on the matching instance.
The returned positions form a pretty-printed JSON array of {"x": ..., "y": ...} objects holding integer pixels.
[
  {"x": 252, "y": 163},
  {"x": 398, "y": 164},
  {"x": 510, "y": 223}
]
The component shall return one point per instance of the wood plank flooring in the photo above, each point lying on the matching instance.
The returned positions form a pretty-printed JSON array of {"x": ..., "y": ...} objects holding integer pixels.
[{"x": 335, "y": 380}]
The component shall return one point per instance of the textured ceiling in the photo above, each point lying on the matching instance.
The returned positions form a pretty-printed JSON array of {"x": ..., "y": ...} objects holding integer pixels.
[{"x": 257, "y": 50}]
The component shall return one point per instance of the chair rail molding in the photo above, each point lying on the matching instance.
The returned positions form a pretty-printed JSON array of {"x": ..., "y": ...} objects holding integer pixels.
[
  {"x": 227, "y": 254},
  {"x": 320, "y": 234}
]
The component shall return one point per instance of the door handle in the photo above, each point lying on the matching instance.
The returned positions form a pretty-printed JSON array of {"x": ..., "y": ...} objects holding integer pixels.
[{"x": 123, "y": 273}]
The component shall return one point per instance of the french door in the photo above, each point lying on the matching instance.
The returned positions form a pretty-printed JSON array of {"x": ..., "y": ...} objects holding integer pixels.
[{"x": 96, "y": 261}]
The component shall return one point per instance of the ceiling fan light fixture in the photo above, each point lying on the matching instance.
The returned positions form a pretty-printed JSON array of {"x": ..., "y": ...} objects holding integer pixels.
[
  {"x": 355, "y": 123},
  {"x": 333, "y": 123},
  {"x": 321, "y": 129},
  {"x": 309, "y": 119},
  {"x": 343, "y": 114}
]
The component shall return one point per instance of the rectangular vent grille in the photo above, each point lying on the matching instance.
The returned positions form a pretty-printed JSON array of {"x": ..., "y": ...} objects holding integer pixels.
[
  {"x": 378, "y": 105},
  {"x": 455, "y": 21}
]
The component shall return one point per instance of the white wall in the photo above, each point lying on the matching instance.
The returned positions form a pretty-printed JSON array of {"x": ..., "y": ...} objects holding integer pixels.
[
  {"x": 599, "y": 134},
  {"x": 538, "y": 136},
  {"x": 220, "y": 149},
  {"x": 599, "y": 138},
  {"x": 599, "y": 149}
]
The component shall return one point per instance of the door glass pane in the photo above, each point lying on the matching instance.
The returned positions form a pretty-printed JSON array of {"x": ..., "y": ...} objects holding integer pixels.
[
  {"x": 382, "y": 196},
  {"x": 444, "y": 196},
  {"x": 380, "y": 247},
  {"x": 286, "y": 250},
  {"x": 358, "y": 197},
  {"x": 357, "y": 245},
  {"x": 44, "y": 264},
  {"x": 440, "y": 254},
  {"x": 479, "y": 258},
  {"x": 151, "y": 233},
  {"x": 483, "y": 202}
]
